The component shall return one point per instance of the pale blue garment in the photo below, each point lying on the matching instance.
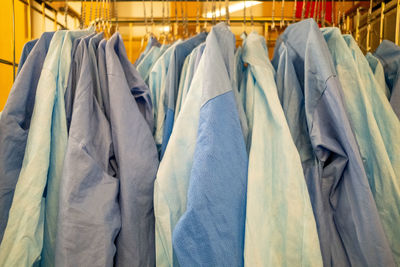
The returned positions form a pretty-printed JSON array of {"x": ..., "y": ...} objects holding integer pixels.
[
  {"x": 157, "y": 88},
  {"x": 181, "y": 84},
  {"x": 59, "y": 137},
  {"x": 89, "y": 215},
  {"x": 192, "y": 67},
  {"x": 180, "y": 52},
  {"x": 389, "y": 55},
  {"x": 171, "y": 185},
  {"x": 379, "y": 73},
  {"x": 23, "y": 238},
  {"x": 15, "y": 125},
  {"x": 211, "y": 231},
  {"x": 348, "y": 223},
  {"x": 151, "y": 43},
  {"x": 147, "y": 62},
  {"x": 131, "y": 121},
  {"x": 279, "y": 216},
  {"x": 378, "y": 134},
  {"x": 25, "y": 53}
]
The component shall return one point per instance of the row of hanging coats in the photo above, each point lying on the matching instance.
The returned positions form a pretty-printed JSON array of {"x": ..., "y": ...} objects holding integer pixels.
[{"x": 201, "y": 153}]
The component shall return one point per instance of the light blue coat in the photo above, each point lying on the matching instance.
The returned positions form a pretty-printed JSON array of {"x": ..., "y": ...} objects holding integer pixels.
[
  {"x": 23, "y": 239},
  {"x": 279, "y": 216},
  {"x": 15, "y": 124}
]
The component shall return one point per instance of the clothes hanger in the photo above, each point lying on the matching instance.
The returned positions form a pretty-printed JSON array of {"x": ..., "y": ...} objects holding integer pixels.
[
  {"x": 282, "y": 22},
  {"x": 198, "y": 17},
  {"x": 66, "y": 15},
  {"x": 303, "y": 10},
  {"x": 251, "y": 19},
  {"x": 227, "y": 18},
  {"x": 273, "y": 15},
  {"x": 294, "y": 11},
  {"x": 244, "y": 33}
]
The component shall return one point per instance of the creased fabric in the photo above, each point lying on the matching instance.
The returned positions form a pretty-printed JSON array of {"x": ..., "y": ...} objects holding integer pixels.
[
  {"x": 211, "y": 230},
  {"x": 89, "y": 212},
  {"x": 23, "y": 238},
  {"x": 280, "y": 224},
  {"x": 136, "y": 154},
  {"x": 389, "y": 55},
  {"x": 376, "y": 128},
  {"x": 15, "y": 123},
  {"x": 348, "y": 223}
]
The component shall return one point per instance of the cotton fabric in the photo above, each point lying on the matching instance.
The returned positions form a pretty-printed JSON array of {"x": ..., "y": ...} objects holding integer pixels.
[
  {"x": 349, "y": 228},
  {"x": 280, "y": 224}
]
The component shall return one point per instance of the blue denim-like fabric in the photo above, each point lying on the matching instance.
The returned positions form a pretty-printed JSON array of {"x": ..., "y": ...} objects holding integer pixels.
[
  {"x": 23, "y": 238},
  {"x": 15, "y": 124},
  {"x": 389, "y": 55},
  {"x": 280, "y": 224},
  {"x": 179, "y": 53},
  {"x": 25, "y": 53},
  {"x": 59, "y": 137},
  {"x": 136, "y": 154},
  {"x": 379, "y": 73},
  {"x": 211, "y": 230},
  {"x": 349, "y": 227},
  {"x": 89, "y": 215}
]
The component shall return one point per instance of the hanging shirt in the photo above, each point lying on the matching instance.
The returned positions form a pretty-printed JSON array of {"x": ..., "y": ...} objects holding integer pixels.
[
  {"x": 148, "y": 61},
  {"x": 151, "y": 43},
  {"x": 92, "y": 50},
  {"x": 136, "y": 153},
  {"x": 89, "y": 215},
  {"x": 279, "y": 216},
  {"x": 181, "y": 84},
  {"x": 15, "y": 124},
  {"x": 102, "y": 70},
  {"x": 59, "y": 137},
  {"x": 348, "y": 223},
  {"x": 389, "y": 55},
  {"x": 74, "y": 74},
  {"x": 157, "y": 79},
  {"x": 171, "y": 185},
  {"x": 179, "y": 53},
  {"x": 379, "y": 73},
  {"x": 23, "y": 237},
  {"x": 25, "y": 53},
  {"x": 187, "y": 77},
  {"x": 377, "y": 133},
  {"x": 219, "y": 162}
]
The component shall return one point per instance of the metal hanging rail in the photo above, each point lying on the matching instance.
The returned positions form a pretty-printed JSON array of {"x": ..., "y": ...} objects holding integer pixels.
[{"x": 141, "y": 21}]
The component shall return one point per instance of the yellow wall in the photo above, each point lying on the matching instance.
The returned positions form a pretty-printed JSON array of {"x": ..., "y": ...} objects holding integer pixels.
[{"x": 21, "y": 37}]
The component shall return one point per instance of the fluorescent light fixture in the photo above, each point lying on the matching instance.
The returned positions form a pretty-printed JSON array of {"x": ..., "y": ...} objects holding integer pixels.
[{"x": 233, "y": 8}]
